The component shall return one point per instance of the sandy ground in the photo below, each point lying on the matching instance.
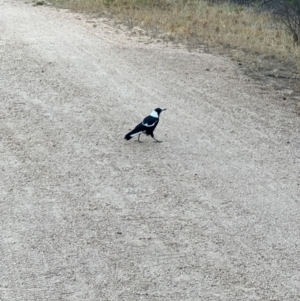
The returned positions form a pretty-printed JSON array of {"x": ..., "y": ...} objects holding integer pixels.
[{"x": 212, "y": 213}]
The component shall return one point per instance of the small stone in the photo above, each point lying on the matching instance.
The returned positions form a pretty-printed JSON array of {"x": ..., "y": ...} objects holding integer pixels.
[{"x": 40, "y": 2}]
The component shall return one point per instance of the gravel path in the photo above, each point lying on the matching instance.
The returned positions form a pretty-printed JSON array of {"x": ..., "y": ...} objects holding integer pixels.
[{"x": 212, "y": 213}]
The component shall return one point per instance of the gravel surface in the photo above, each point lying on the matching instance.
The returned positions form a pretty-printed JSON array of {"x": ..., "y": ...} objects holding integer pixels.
[{"x": 212, "y": 213}]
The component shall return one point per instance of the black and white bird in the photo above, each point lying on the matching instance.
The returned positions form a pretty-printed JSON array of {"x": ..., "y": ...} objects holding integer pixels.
[{"x": 147, "y": 126}]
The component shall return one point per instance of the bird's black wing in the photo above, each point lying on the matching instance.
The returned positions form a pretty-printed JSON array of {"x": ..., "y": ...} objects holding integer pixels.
[
  {"x": 140, "y": 128},
  {"x": 150, "y": 121},
  {"x": 147, "y": 126}
]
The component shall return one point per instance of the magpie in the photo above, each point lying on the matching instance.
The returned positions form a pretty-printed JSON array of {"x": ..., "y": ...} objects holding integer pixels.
[{"x": 147, "y": 126}]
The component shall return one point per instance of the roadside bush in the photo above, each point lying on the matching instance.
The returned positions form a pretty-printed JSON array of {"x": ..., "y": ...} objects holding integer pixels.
[
  {"x": 287, "y": 12},
  {"x": 210, "y": 22}
]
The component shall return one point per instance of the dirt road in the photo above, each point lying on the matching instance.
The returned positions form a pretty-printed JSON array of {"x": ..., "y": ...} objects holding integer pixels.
[{"x": 212, "y": 213}]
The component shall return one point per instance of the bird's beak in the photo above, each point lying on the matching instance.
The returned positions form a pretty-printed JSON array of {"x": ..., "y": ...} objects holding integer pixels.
[{"x": 163, "y": 109}]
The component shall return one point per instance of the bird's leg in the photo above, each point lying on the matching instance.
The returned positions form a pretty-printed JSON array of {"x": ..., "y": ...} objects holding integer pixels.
[
  {"x": 158, "y": 141},
  {"x": 139, "y": 139}
]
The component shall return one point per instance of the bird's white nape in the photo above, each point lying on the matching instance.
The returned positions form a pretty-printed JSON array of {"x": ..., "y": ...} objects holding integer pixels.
[{"x": 154, "y": 114}]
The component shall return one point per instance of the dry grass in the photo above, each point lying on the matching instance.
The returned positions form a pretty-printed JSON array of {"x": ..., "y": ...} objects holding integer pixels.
[{"x": 231, "y": 26}]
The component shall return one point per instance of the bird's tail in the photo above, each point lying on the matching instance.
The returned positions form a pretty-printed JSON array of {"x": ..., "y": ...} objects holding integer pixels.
[
  {"x": 132, "y": 134},
  {"x": 127, "y": 136}
]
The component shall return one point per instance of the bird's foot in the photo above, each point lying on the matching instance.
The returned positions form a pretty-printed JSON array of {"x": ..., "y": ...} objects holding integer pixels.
[
  {"x": 158, "y": 141},
  {"x": 138, "y": 141}
]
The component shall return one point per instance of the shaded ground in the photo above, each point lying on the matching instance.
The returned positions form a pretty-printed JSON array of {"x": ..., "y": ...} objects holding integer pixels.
[{"x": 212, "y": 213}]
